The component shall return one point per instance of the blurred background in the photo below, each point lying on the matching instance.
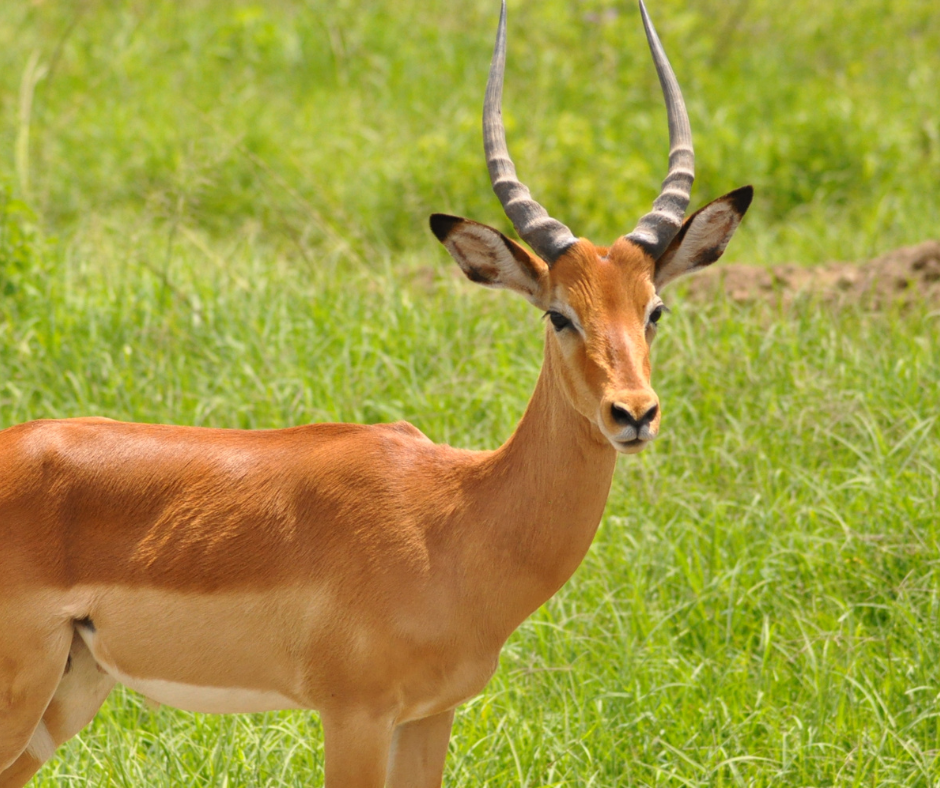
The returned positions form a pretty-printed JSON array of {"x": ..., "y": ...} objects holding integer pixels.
[{"x": 357, "y": 119}]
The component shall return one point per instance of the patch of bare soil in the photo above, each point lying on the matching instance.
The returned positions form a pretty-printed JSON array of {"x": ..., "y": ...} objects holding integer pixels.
[{"x": 905, "y": 275}]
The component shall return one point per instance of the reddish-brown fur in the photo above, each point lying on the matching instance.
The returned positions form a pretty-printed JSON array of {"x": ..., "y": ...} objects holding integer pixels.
[{"x": 362, "y": 571}]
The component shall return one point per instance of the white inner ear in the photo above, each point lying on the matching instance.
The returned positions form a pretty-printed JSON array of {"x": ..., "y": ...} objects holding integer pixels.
[
  {"x": 704, "y": 242},
  {"x": 485, "y": 259}
]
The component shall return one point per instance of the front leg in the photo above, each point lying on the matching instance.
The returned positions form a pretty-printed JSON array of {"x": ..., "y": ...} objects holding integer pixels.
[
  {"x": 356, "y": 744},
  {"x": 418, "y": 751}
]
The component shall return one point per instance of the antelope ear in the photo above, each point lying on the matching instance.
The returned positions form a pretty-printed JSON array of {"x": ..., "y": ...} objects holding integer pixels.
[
  {"x": 703, "y": 236},
  {"x": 489, "y": 258}
]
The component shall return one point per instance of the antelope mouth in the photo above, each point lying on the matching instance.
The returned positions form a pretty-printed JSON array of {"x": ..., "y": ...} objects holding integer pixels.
[{"x": 631, "y": 447}]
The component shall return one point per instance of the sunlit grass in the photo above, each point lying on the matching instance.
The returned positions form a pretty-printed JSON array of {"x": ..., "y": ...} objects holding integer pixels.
[
  {"x": 761, "y": 603},
  {"x": 346, "y": 120},
  {"x": 216, "y": 214}
]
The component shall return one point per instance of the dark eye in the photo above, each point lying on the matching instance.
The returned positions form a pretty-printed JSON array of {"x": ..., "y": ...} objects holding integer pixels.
[
  {"x": 656, "y": 314},
  {"x": 559, "y": 321}
]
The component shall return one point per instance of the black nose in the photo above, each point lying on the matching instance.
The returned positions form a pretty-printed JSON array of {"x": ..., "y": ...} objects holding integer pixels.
[{"x": 626, "y": 419}]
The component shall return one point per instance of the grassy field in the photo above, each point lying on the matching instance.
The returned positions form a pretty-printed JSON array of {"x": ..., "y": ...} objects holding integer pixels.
[{"x": 215, "y": 213}]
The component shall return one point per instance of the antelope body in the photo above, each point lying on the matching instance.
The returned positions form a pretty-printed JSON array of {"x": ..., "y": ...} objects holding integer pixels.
[{"x": 362, "y": 571}]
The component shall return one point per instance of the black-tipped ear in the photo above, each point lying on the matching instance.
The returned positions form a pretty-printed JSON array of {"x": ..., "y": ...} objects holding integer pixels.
[
  {"x": 442, "y": 224},
  {"x": 703, "y": 237},
  {"x": 489, "y": 258},
  {"x": 741, "y": 198}
]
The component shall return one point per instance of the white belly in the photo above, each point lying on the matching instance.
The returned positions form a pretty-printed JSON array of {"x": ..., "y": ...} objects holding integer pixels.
[
  {"x": 211, "y": 700},
  {"x": 192, "y": 697},
  {"x": 213, "y": 692}
]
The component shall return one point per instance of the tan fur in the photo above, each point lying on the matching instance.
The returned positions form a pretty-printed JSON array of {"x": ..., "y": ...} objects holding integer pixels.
[
  {"x": 385, "y": 571},
  {"x": 362, "y": 571}
]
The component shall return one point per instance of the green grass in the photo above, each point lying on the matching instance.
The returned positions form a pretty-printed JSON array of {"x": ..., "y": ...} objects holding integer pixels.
[{"x": 215, "y": 213}]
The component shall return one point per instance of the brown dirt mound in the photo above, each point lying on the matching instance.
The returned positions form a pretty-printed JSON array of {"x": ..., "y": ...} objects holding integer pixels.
[{"x": 905, "y": 275}]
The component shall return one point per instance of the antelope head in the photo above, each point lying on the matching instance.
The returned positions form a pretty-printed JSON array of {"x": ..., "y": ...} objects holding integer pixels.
[{"x": 602, "y": 303}]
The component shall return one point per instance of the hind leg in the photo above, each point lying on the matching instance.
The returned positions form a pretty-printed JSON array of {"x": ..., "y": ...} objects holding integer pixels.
[
  {"x": 31, "y": 663},
  {"x": 81, "y": 691}
]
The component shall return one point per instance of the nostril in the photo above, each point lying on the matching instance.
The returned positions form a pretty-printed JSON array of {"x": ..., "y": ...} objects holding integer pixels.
[
  {"x": 625, "y": 418},
  {"x": 622, "y": 416}
]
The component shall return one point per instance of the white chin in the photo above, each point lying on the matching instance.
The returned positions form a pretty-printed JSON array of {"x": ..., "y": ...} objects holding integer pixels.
[{"x": 630, "y": 447}]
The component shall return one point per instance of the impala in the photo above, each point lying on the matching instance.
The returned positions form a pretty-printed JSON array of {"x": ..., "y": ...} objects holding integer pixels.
[{"x": 361, "y": 571}]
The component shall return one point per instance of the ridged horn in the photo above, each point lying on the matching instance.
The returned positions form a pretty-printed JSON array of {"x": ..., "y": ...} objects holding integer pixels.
[
  {"x": 655, "y": 231},
  {"x": 548, "y": 237}
]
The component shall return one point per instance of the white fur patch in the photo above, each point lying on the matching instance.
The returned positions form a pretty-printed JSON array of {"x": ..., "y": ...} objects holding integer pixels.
[
  {"x": 705, "y": 240},
  {"x": 41, "y": 745},
  {"x": 209, "y": 700},
  {"x": 484, "y": 257},
  {"x": 190, "y": 697}
]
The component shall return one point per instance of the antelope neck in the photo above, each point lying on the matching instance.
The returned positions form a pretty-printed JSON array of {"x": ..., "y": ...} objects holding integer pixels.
[{"x": 544, "y": 492}]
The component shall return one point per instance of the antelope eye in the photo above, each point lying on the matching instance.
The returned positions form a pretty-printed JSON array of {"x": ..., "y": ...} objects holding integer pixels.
[
  {"x": 559, "y": 321},
  {"x": 656, "y": 314}
]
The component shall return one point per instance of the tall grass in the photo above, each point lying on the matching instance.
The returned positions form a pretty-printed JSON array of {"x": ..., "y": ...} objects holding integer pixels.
[
  {"x": 214, "y": 213},
  {"x": 351, "y": 121}
]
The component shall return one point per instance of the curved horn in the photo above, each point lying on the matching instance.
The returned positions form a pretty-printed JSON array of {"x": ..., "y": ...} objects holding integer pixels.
[
  {"x": 656, "y": 230},
  {"x": 548, "y": 237}
]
